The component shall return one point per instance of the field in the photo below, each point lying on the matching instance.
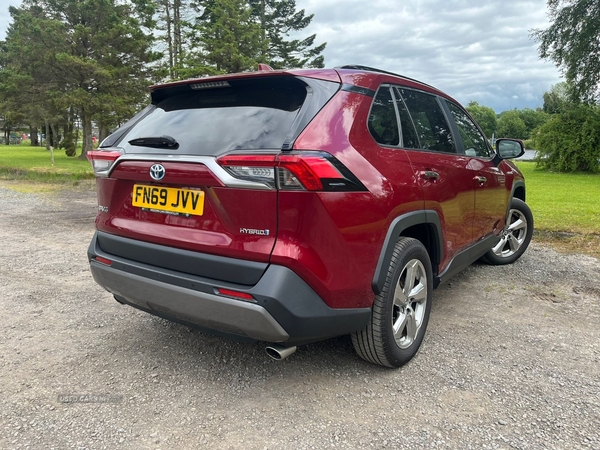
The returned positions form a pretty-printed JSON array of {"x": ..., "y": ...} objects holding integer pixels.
[
  {"x": 33, "y": 163},
  {"x": 566, "y": 208}
]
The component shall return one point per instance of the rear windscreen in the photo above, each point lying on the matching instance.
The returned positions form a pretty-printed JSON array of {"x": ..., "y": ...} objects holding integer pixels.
[{"x": 246, "y": 114}]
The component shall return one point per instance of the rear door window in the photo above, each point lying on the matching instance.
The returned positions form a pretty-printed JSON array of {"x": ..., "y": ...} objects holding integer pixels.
[{"x": 429, "y": 120}]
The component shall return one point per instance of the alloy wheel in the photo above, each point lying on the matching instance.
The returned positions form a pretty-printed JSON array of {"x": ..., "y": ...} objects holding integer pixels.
[
  {"x": 513, "y": 236},
  {"x": 410, "y": 301}
]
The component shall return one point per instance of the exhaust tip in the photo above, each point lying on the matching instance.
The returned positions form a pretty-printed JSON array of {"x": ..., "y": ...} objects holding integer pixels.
[{"x": 279, "y": 352}]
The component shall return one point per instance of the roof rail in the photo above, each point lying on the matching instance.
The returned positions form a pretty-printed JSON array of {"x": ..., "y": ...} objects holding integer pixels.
[{"x": 373, "y": 69}]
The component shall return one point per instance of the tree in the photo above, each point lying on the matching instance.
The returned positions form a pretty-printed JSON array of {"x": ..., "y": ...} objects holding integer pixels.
[
  {"x": 234, "y": 35},
  {"x": 277, "y": 19},
  {"x": 484, "y": 116},
  {"x": 570, "y": 141},
  {"x": 558, "y": 99},
  {"x": 227, "y": 38},
  {"x": 510, "y": 125},
  {"x": 97, "y": 54},
  {"x": 27, "y": 85},
  {"x": 532, "y": 119},
  {"x": 174, "y": 29},
  {"x": 572, "y": 41}
]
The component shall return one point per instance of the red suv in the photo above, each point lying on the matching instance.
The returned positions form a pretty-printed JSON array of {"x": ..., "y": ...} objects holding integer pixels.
[{"x": 294, "y": 206}]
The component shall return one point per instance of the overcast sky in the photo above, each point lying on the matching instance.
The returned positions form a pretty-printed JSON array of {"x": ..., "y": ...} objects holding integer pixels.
[{"x": 471, "y": 49}]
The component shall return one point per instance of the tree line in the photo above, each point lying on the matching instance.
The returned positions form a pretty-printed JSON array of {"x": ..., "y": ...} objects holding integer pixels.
[
  {"x": 90, "y": 61},
  {"x": 566, "y": 131}
]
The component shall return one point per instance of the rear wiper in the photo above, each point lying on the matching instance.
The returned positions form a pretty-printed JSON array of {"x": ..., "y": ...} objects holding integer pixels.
[{"x": 156, "y": 142}]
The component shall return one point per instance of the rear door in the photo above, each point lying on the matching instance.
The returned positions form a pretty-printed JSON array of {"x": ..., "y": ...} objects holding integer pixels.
[
  {"x": 167, "y": 187},
  {"x": 443, "y": 174}
]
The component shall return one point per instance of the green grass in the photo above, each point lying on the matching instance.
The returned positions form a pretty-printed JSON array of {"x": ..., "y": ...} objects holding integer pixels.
[
  {"x": 560, "y": 202},
  {"x": 33, "y": 163},
  {"x": 563, "y": 201}
]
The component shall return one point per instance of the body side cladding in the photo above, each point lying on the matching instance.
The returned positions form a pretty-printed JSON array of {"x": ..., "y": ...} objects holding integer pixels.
[
  {"x": 397, "y": 227},
  {"x": 466, "y": 257}
]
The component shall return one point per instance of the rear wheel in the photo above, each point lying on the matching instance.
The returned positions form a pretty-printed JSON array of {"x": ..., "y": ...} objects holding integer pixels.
[
  {"x": 515, "y": 237},
  {"x": 401, "y": 311}
]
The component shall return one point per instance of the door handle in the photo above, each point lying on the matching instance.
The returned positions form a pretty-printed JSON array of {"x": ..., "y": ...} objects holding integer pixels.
[
  {"x": 430, "y": 175},
  {"x": 480, "y": 179}
]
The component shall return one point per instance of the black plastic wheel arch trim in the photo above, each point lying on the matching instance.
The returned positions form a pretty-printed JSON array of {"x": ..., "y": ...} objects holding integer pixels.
[{"x": 398, "y": 225}]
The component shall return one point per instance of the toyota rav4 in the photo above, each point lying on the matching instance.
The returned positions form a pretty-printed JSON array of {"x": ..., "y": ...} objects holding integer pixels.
[{"x": 298, "y": 205}]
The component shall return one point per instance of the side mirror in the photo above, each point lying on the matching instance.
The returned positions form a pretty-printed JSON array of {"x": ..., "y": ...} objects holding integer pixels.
[{"x": 509, "y": 148}]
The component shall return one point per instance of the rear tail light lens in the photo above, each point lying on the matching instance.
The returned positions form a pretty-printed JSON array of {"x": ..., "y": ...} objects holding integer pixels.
[
  {"x": 102, "y": 160},
  {"x": 311, "y": 171}
]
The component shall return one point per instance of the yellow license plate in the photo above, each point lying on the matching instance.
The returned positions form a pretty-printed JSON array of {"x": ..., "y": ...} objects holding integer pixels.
[{"x": 168, "y": 200}]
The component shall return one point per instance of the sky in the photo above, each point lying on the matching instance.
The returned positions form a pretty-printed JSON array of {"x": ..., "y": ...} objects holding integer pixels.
[{"x": 473, "y": 50}]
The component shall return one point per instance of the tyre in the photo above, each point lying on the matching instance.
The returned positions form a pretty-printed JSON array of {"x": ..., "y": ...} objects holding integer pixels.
[
  {"x": 515, "y": 237},
  {"x": 401, "y": 311}
]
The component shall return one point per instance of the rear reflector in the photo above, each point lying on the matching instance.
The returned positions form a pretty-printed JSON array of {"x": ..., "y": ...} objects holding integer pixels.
[
  {"x": 311, "y": 171},
  {"x": 102, "y": 260},
  {"x": 235, "y": 294}
]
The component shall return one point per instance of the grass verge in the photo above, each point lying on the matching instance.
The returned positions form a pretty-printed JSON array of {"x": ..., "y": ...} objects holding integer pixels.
[
  {"x": 33, "y": 163},
  {"x": 566, "y": 208}
]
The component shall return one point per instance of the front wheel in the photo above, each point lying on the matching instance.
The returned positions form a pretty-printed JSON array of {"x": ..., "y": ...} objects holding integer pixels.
[
  {"x": 401, "y": 311},
  {"x": 515, "y": 237}
]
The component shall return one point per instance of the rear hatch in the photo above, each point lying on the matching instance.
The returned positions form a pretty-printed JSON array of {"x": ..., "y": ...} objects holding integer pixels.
[{"x": 162, "y": 177}]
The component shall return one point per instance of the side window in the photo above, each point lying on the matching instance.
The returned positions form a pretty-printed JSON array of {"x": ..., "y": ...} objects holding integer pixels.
[
  {"x": 431, "y": 125},
  {"x": 409, "y": 134},
  {"x": 383, "y": 124},
  {"x": 474, "y": 142}
]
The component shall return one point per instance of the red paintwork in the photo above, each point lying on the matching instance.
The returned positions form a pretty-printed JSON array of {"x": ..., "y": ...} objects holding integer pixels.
[
  {"x": 217, "y": 231},
  {"x": 332, "y": 240},
  {"x": 179, "y": 174},
  {"x": 452, "y": 196}
]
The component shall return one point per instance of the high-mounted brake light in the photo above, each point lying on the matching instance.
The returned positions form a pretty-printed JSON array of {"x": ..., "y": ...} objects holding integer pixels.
[
  {"x": 210, "y": 85},
  {"x": 102, "y": 160},
  {"x": 312, "y": 171}
]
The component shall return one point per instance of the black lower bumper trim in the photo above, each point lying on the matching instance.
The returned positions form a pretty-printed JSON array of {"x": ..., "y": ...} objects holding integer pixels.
[{"x": 286, "y": 310}]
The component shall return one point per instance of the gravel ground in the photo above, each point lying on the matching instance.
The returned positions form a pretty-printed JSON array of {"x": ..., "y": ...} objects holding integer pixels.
[{"x": 510, "y": 360}]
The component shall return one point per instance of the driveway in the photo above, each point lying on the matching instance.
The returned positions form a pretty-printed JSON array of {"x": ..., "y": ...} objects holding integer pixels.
[{"x": 511, "y": 359}]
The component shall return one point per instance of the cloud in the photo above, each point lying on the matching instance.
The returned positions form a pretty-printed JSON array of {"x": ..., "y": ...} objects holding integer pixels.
[{"x": 469, "y": 49}]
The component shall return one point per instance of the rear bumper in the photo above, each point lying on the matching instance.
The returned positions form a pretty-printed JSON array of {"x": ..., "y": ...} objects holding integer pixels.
[{"x": 286, "y": 309}]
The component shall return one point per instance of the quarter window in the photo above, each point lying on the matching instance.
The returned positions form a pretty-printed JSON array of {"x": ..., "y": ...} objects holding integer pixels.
[
  {"x": 430, "y": 123},
  {"x": 474, "y": 142},
  {"x": 383, "y": 124}
]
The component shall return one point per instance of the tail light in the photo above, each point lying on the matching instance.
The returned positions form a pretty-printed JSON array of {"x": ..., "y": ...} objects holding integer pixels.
[
  {"x": 310, "y": 171},
  {"x": 102, "y": 160}
]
